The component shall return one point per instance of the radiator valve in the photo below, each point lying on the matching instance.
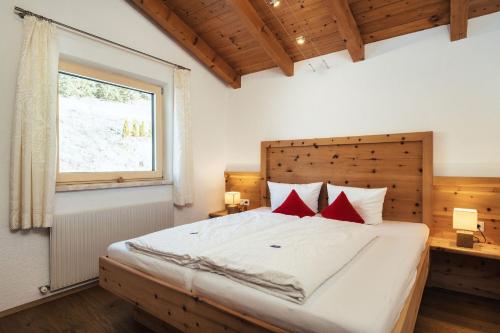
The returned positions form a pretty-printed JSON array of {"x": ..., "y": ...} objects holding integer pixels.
[{"x": 44, "y": 290}]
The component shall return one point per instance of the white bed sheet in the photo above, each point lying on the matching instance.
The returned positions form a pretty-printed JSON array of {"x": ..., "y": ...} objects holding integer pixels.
[{"x": 365, "y": 296}]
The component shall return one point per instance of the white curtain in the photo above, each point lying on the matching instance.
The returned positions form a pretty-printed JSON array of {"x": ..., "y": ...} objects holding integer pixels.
[
  {"x": 182, "y": 159},
  {"x": 33, "y": 150}
]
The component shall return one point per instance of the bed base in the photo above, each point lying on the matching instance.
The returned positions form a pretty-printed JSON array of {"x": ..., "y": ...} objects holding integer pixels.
[
  {"x": 408, "y": 315},
  {"x": 160, "y": 304},
  {"x": 173, "y": 305}
]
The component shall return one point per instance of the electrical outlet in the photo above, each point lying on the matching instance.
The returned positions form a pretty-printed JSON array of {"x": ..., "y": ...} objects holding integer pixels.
[
  {"x": 245, "y": 202},
  {"x": 480, "y": 225}
]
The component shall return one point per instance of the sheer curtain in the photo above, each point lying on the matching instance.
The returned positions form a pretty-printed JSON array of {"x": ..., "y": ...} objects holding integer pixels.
[
  {"x": 33, "y": 150},
  {"x": 182, "y": 151}
]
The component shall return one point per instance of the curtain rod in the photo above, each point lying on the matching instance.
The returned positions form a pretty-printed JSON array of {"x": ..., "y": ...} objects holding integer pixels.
[{"x": 23, "y": 12}]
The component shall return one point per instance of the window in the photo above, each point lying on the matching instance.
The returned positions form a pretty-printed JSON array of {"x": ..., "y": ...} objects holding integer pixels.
[{"x": 110, "y": 127}]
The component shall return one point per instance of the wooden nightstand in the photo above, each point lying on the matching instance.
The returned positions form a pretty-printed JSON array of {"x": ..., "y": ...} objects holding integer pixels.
[
  {"x": 218, "y": 214},
  {"x": 473, "y": 271},
  {"x": 482, "y": 250}
]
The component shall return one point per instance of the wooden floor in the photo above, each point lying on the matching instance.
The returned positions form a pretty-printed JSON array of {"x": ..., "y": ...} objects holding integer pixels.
[
  {"x": 96, "y": 310},
  {"x": 91, "y": 310},
  {"x": 451, "y": 312}
]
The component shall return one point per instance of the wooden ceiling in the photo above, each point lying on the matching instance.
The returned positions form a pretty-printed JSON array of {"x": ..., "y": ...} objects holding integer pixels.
[{"x": 238, "y": 37}]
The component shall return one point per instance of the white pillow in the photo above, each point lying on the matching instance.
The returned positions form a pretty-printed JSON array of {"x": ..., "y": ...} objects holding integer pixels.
[
  {"x": 309, "y": 193},
  {"x": 368, "y": 202}
]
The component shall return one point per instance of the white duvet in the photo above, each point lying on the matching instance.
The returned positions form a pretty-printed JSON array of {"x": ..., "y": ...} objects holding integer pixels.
[
  {"x": 281, "y": 255},
  {"x": 185, "y": 244}
]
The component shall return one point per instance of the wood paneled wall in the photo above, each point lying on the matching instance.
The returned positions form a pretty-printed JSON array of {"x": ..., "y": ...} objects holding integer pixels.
[
  {"x": 247, "y": 183},
  {"x": 480, "y": 193}
]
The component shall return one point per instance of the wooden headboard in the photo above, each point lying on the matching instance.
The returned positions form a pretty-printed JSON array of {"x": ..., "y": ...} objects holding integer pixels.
[{"x": 400, "y": 162}]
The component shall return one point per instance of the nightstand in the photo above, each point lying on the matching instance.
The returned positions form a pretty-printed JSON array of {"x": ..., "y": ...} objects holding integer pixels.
[
  {"x": 474, "y": 271},
  {"x": 218, "y": 214},
  {"x": 482, "y": 250}
]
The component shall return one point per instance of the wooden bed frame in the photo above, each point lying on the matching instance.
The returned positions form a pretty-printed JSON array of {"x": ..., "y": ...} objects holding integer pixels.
[{"x": 401, "y": 162}]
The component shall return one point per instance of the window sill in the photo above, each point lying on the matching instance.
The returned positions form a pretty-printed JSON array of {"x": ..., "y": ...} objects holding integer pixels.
[{"x": 101, "y": 186}]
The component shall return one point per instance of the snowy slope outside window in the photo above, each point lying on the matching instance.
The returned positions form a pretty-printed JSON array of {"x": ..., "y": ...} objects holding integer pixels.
[{"x": 104, "y": 127}]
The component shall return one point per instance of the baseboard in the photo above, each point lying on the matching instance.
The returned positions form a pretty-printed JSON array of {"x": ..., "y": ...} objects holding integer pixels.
[{"x": 47, "y": 299}]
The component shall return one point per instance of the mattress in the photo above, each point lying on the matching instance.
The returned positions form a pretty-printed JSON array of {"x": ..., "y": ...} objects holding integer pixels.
[{"x": 365, "y": 296}]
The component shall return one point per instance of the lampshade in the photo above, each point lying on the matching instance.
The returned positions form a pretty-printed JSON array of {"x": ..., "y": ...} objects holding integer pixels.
[
  {"x": 232, "y": 198},
  {"x": 465, "y": 219}
]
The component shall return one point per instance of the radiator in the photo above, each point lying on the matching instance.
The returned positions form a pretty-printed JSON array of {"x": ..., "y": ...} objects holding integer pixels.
[{"x": 77, "y": 240}]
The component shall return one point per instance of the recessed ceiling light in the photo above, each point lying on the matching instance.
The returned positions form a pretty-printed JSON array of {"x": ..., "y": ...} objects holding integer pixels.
[
  {"x": 300, "y": 40},
  {"x": 274, "y": 3}
]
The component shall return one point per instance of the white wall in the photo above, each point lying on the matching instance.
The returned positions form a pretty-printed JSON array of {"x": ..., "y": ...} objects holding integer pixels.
[
  {"x": 24, "y": 256},
  {"x": 417, "y": 82}
]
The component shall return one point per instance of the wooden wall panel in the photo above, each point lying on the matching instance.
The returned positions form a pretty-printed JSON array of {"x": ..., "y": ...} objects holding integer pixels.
[
  {"x": 448, "y": 192},
  {"x": 482, "y": 194},
  {"x": 248, "y": 183}
]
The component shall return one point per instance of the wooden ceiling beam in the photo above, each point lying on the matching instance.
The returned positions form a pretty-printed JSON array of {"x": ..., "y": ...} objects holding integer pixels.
[
  {"x": 459, "y": 15},
  {"x": 348, "y": 28},
  {"x": 259, "y": 30},
  {"x": 189, "y": 39}
]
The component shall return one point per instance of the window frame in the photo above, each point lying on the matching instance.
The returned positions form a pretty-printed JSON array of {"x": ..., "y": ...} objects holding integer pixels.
[{"x": 74, "y": 178}]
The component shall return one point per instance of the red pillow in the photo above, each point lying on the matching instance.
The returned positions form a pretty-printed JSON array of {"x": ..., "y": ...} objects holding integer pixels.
[
  {"x": 341, "y": 209},
  {"x": 293, "y": 205}
]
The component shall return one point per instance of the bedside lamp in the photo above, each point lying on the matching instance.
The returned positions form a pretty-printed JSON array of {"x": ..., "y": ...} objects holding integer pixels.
[
  {"x": 232, "y": 200},
  {"x": 465, "y": 222}
]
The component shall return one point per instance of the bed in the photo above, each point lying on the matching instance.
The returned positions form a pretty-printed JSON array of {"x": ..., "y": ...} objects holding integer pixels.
[{"x": 396, "y": 261}]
